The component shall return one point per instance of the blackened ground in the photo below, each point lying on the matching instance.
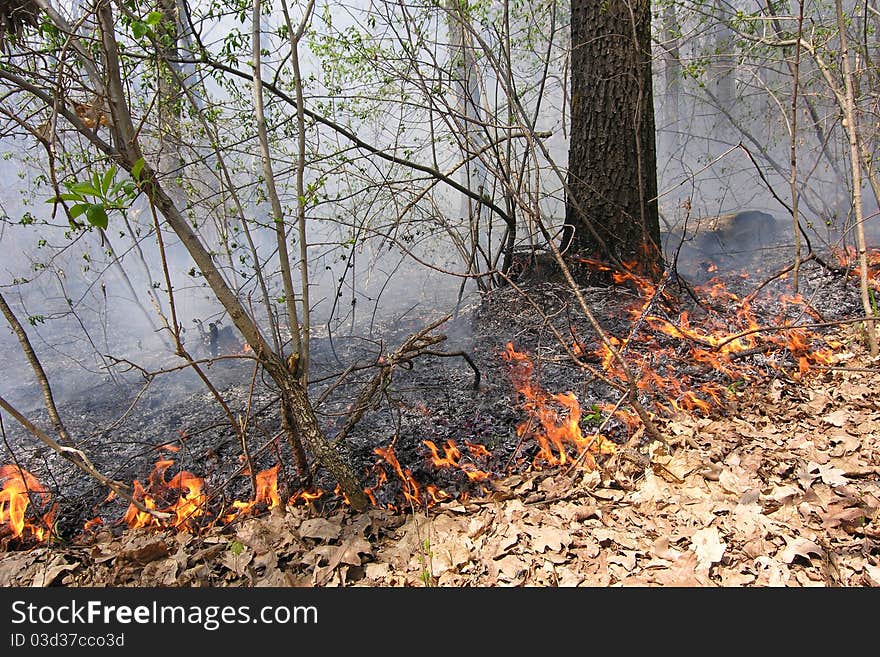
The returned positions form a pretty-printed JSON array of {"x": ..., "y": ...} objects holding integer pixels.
[{"x": 122, "y": 427}]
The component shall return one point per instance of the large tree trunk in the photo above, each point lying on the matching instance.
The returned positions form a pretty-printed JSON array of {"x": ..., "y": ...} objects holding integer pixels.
[{"x": 611, "y": 209}]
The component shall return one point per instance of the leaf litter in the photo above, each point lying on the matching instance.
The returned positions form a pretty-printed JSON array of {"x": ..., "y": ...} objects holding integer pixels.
[{"x": 783, "y": 490}]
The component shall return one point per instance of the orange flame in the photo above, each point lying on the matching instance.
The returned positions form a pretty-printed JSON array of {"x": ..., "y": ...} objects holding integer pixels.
[
  {"x": 553, "y": 419},
  {"x": 411, "y": 489},
  {"x": 452, "y": 458},
  {"x": 15, "y": 497},
  {"x": 189, "y": 505}
]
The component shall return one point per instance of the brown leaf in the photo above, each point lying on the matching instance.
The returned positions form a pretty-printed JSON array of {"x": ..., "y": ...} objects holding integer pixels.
[
  {"x": 708, "y": 546},
  {"x": 837, "y": 418},
  {"x": 144, "y": 549},
  {"x": 14, "y": 564},
  {"x": 552, "y": 538},
  {"x": 320, "y": 528},
  {"x": 873, "y": 573},
  {"x": 45, "y": 576},
  {"x": 831, "y": 475},
  {"x": 799, "y": 547}
]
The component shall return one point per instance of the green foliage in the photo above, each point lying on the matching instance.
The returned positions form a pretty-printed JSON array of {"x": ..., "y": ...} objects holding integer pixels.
[
  {"x": 425, "y": 559},
  {"x": 98, "y": 195},
  {"x": 594, "y": 416}
]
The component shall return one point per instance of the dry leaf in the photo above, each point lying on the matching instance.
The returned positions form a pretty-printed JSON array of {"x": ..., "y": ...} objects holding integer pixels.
[
  {"x": 351, "y": 550},
  {"x": 707, "y": 545},
  {"x": 144, "y": 549},
  {"x": 377, "y": 571},
  {"x": 837, "y": 418},
  {"x": 730, "y": 482},
  {"x": 320, "y": 528},
  {"x": 831, "y": 475},
  {"x": 45, "y": 576},
  {"x": 552, "y": 538},
  {"x": 873, "y": 572},
  {"x": 799, "y": 547}
]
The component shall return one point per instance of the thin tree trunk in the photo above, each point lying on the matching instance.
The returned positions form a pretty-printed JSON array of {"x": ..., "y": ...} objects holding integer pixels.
[
  {"x": 128, "y": 154},
  {"x": 856, "y": 158}
]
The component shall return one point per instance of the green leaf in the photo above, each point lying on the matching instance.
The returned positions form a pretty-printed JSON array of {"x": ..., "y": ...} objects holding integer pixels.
[
  {"x": 84, "y": 188},
  {"x": 65, "y": 197},
  {"x": 154, "y": 18},
  {"x": 78, "y": 209},
  {"x": 137, "y": 168},
  {"x": 139, "y": 29},
  {"x": 97, "y": 215},
  {"x": 108, "y": 179}
]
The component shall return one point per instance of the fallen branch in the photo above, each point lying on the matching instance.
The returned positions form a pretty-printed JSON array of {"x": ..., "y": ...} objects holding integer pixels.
[{"x": 413, "y": 346}]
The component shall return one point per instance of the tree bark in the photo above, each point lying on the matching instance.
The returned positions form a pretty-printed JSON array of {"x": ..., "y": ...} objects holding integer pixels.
[{"x": 611, "y": 209}]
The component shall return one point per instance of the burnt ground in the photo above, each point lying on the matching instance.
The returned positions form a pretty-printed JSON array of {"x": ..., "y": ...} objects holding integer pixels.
[{"x": 430, "y": 398}]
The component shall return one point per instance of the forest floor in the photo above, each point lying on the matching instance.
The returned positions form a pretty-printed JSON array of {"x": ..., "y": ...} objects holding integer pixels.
[{"x": 776, "y": 485}]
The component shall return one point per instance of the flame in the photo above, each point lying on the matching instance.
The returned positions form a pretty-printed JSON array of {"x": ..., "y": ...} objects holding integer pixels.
[
  {"x": 411, "y": 489},
  {"x": 189, "y": 504},
  {"x": 91, "y": 525},
  {"x": 15, "y": 497},
  {"x": 669, "y": 352},
  {"x": 452, "y": 458},
  {"x": 267, "y": 494},
  {"x": 553, "y": 419}
]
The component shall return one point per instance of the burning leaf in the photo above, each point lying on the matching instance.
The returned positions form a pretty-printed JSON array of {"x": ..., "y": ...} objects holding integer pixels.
[
  {"x": 799, "y": 547},
  {"x": 20, "y": 489},
  {"x": 707, "y": 545}
]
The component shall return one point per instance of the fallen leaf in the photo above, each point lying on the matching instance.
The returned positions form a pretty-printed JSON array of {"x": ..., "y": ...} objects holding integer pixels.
[
  {"x": 832, "y": 476},
  {"x": 320, "y": 528},
  {"x": 551, "y": 538},
  {"x": 799, "y": 547},
  {"x": 837, "y": 418},
  {"x": 45, "y": 576},
  {"x": 873, "y": 572},
  {"x": 707, "y": 545},
  {"x": 144, "y": 549},
  {"x": 351, "y": 550},
  {"x": 377, "y": 571}
]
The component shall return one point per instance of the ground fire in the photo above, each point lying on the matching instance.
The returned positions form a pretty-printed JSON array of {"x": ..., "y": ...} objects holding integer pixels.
[
  {"x": 19, "y": 489},
  {"x": 686, "y": 359}
]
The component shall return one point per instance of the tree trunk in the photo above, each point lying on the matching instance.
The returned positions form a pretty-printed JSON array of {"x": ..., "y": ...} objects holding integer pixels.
[
  {"x": 611, "y": 209},
  {"x": 672, "y": 78}
]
